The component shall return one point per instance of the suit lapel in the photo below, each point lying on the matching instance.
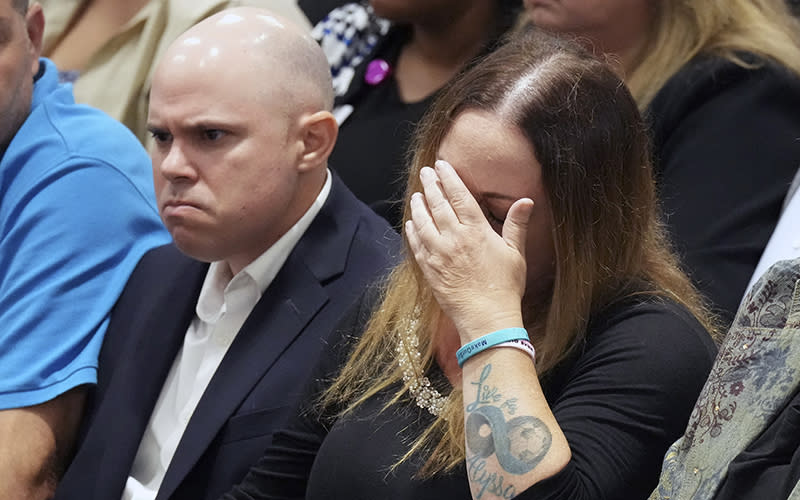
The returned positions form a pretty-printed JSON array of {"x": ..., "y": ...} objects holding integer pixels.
[
  {"x": 278, "y": 318},
  {"x": 287, "y": 306},
  {"x": 142, "y": 365}
]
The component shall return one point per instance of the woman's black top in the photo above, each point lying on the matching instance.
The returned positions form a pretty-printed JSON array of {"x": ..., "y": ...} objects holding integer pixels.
[{"x": 621, "y": 399}]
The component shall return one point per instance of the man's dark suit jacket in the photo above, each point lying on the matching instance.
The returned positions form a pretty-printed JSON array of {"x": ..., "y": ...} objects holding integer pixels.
[{"x": 260, "y": 378}]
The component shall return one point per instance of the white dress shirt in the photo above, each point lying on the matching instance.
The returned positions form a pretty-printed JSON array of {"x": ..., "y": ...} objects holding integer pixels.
[
  {"x": 785, "y": 240},
  {"x": 224, "y": 304}
]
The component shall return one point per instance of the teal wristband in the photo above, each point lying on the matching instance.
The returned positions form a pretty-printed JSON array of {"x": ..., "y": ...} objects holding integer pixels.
[{"x": 489, "y": 340}]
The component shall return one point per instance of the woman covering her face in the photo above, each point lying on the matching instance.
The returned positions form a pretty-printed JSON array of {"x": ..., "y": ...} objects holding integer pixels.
[
  {"x": 531, "y": 214},
  {"x": 719, "y": 83}
]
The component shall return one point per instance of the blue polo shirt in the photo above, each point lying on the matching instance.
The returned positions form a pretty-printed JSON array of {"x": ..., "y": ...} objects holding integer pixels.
[{"x": 77, "y": 211}]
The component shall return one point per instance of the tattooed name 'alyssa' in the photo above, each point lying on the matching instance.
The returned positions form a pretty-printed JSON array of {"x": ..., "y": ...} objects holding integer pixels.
[
  {"x": 518, "y": 444},
  {"x": 491, "y": 482}
]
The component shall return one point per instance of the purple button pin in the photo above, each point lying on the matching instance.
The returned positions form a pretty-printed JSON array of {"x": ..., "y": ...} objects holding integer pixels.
[{"x": 377, "y": 71}]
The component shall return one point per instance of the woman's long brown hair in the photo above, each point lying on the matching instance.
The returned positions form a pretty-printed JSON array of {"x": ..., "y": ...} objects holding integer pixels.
[{"x": 590, "y": 140}]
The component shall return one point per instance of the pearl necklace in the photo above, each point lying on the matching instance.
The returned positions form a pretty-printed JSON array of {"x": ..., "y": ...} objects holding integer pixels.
[{"x": 408, "y": 356}]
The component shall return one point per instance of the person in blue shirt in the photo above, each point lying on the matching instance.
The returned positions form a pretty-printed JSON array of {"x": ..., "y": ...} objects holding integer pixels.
[{"x": 77, "y": 211}]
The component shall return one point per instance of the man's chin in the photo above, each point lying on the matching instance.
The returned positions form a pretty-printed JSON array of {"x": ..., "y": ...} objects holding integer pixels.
[{"x": 192, "y": 244}]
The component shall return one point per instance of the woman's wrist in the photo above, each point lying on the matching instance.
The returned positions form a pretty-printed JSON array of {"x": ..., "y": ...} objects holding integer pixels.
[
  {"x": 470, "y": 329},
  {"x": 507, "y": 337}
]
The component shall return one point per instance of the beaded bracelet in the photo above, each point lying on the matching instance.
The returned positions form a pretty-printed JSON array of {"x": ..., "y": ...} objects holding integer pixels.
[{"x": 489, "y": 340}]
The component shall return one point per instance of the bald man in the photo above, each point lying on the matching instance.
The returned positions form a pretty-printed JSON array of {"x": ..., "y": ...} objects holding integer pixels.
[{"x": 214, "y": 337}]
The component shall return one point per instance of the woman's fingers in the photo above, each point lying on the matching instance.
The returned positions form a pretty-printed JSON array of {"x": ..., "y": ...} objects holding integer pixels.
[
  {"x": 448, "y": 200},
  {"x": 447, "y": 205},
  {"x": 469, "y": 267},
  {"x": 463, "y": 204},
  {"x": 515, "y": 228},
  {"x": 439, "y": 206},
  {"x": 415, "y": 244}
]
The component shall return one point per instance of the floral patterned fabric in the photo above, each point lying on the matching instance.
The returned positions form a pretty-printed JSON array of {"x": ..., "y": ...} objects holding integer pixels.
[{"x": 756, "y": 373}]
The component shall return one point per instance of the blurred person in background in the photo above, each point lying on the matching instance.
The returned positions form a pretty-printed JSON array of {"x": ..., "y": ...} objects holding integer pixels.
[
  {"x": 719, "y": 82},
  {"x": 108, "y": 48}
]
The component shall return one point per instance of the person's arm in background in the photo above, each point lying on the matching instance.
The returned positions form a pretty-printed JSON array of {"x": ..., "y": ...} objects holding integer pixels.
[{"x": 36, "y": 443}]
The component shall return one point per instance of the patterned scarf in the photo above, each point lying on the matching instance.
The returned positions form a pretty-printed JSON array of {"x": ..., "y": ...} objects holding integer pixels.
[{"x": 757, "y": 371}]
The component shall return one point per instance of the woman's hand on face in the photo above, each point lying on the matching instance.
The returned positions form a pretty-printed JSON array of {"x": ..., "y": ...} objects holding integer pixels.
[{"x": 477, "y": 276}]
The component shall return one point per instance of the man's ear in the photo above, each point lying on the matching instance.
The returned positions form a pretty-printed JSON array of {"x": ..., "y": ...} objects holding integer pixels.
[
  {"x": 34, "y": 22},
  {"x": 318, "y": 131}
]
